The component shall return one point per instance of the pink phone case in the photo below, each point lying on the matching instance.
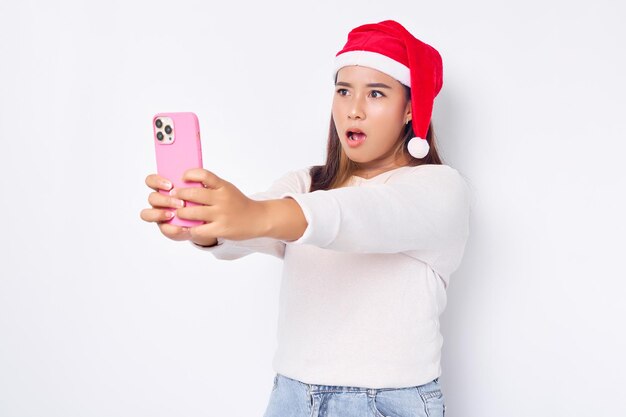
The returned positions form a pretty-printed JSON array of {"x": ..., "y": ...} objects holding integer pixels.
[{"x": 177, "y": 152}]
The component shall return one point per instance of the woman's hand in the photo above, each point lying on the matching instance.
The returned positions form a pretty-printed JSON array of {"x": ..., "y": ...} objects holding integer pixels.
[
  {"x": 226, "y": 211},
  {"x": 158, "y": 214}
]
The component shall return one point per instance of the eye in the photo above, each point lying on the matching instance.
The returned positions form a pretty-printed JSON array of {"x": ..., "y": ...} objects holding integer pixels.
[
  {"x": 378, "y": 92},
  {"x": 340, "y": 90}
]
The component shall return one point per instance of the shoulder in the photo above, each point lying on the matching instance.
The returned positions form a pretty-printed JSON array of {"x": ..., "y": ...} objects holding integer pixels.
[
  {"x": 430, "y": 172},
  {"x": 437, "y": 178},
  {"x": 297, "y": 179},
  {"x": 301, "y": 174}
]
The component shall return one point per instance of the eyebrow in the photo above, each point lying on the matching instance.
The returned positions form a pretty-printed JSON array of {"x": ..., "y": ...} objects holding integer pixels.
[{"x": 378, "y": 85}]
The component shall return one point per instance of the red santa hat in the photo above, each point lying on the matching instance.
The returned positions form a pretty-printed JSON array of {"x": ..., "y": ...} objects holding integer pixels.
[{"x": 388, "y": 47}]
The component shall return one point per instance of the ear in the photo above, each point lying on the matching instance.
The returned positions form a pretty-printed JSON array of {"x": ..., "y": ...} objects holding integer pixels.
[{"x": 408, "y": 115}]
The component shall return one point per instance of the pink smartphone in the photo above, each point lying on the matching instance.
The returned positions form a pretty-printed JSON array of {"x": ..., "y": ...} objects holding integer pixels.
[{"x": 177, "y": 143}]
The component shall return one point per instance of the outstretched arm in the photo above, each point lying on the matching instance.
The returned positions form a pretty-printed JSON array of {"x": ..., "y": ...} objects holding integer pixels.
[{"x": 426, "y": 209}]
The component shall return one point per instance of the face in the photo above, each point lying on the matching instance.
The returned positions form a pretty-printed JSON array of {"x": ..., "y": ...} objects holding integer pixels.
[{"x": 375, "y": 104}]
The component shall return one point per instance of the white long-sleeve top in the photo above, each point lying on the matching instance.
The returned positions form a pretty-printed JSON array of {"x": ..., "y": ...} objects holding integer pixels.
[{"x": 363, "y": 288}]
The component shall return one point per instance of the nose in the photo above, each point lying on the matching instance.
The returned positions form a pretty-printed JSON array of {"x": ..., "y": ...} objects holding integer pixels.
[{"x": 356, "y": 108}]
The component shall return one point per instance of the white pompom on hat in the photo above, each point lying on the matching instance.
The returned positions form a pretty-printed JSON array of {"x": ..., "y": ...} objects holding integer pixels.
[{"x": 388, "y": 47}]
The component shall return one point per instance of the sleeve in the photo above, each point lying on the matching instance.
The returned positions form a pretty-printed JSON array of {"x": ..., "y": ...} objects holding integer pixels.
[
  {"x": 423, "y": 211},
  {"x": 293, "y": 181}
]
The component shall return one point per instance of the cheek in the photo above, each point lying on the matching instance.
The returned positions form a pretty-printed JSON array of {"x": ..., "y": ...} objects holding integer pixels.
[
  {"x": 386, "y": 111},
  {"x": 385, "y": 124},
  {"x": 337, "y": 119},
  {"x": 336, "y": 108}
]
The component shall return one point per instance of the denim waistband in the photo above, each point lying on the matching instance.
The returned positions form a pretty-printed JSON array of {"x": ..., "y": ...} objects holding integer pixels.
[{"x": 314, "y": 388}]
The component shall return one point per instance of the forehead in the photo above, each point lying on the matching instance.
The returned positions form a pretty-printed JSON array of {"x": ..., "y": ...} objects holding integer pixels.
[{"x": 358, "y": 74}]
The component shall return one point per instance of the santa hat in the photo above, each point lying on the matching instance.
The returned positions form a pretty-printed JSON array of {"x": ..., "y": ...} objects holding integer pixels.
[{"x": 388, "y": 47}]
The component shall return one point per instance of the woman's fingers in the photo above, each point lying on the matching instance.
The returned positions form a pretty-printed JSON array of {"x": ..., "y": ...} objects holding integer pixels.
[
  {"x": 159, "y": 216},
  {"x": 198, "y": 212},
  {"x": 156, "y": 182},
  {"x": 206, "y": 177},
  {"x": 175, "y": 232},
  {"x": 202, "y": 237},
  {"x": 156, "y": 215},
  {"x": 199, "y": 195},
  {"x": 171, "y": 231},
  {"x": 157, "y": 199}
]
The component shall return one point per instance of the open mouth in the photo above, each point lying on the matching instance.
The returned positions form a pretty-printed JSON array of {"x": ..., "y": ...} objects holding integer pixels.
[{"x": 355, "y": 135}]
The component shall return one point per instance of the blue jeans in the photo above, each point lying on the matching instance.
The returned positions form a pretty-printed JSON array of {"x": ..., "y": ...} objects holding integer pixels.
[{"x": 292, "y": 398}]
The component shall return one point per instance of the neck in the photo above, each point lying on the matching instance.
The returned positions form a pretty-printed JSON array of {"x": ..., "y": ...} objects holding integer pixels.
[{"x": 370, "y": 171}]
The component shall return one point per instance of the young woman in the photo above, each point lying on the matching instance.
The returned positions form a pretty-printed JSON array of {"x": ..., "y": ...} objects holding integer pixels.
[{"x": 369, "y": 240}]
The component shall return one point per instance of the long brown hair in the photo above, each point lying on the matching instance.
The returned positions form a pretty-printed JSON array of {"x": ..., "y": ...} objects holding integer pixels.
[{"x": 339, "y": 168}]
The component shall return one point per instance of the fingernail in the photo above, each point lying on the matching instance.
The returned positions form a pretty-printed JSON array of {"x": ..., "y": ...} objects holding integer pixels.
[
  {"x": 169, "y": 214},
  {"x": 173, "y": 193},
  {"x": 167, "y": 185},
  {"x": 179, "y": 203}
]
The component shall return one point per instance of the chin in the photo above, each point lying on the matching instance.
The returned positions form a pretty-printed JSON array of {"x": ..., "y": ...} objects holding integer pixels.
[{"x": 356, "y": 156}]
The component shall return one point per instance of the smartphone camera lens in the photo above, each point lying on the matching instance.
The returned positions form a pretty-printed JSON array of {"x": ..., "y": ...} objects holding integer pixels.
[
  {"x": 168, "y": 129},
  {"x": 158, "y": 123},
  {"x": 160, "y": 135}
]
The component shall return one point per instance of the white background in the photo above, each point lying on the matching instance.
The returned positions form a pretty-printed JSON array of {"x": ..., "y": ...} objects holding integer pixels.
[{"x": 101, "y": 315}]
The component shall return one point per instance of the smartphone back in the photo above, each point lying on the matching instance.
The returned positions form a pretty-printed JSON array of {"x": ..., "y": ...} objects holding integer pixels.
[{"x": 178, "y": 149}]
